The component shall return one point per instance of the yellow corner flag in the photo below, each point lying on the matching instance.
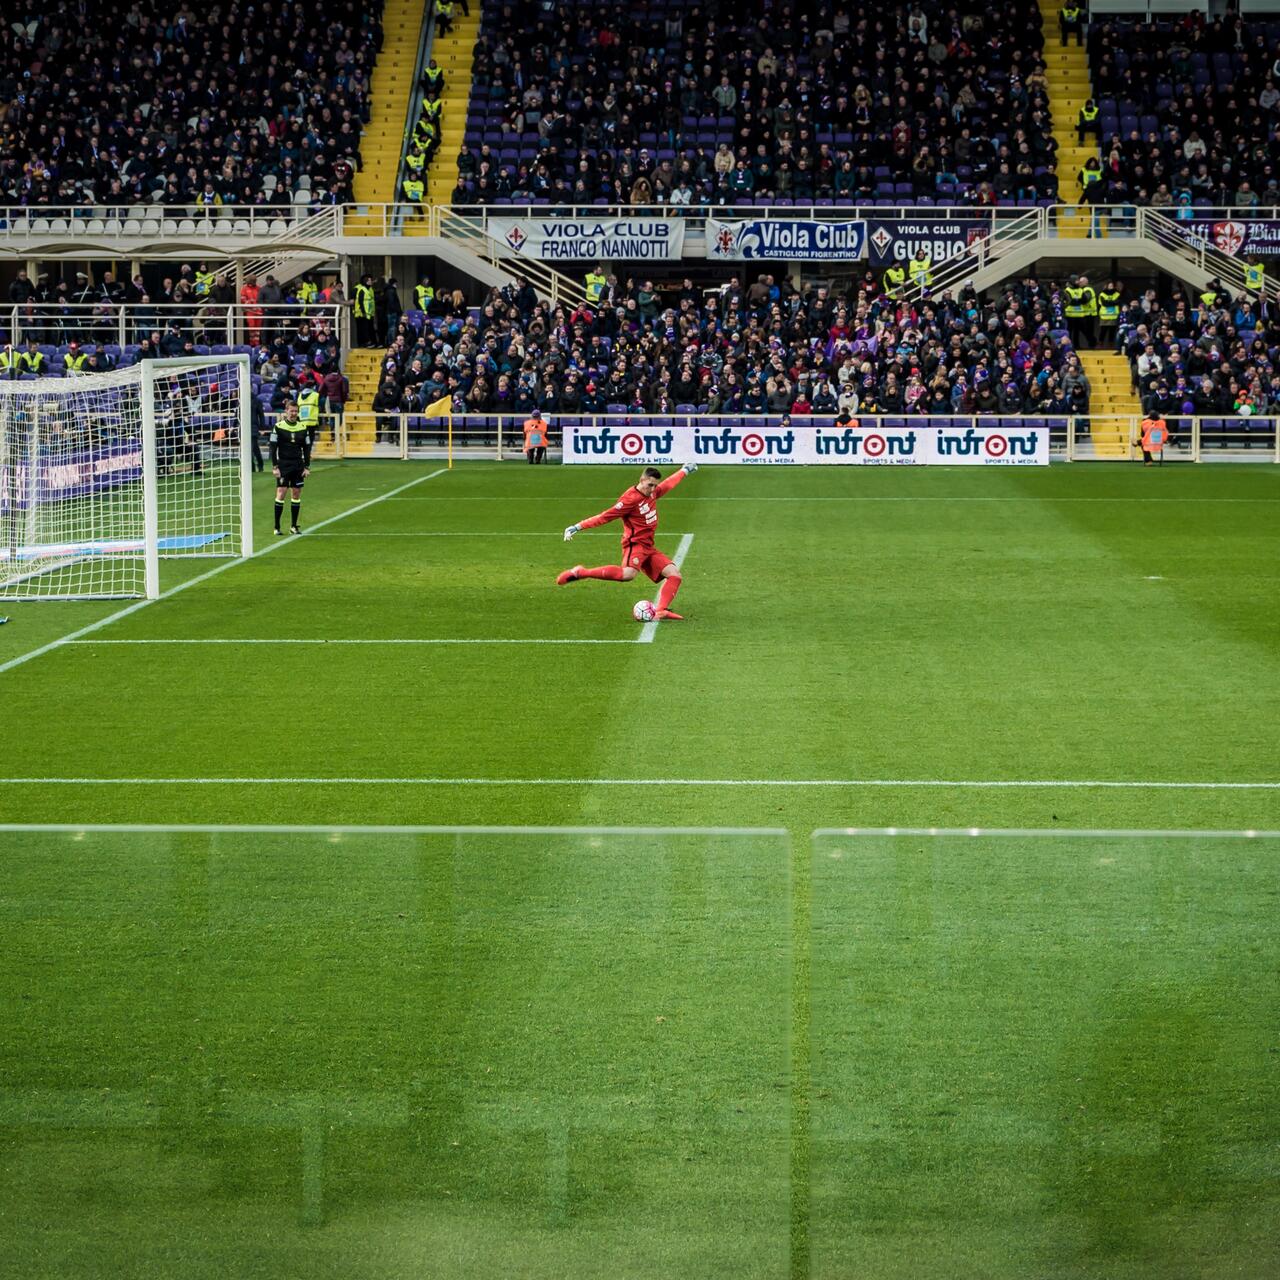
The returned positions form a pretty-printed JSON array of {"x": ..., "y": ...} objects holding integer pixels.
[{"x": 442, "y": 408}]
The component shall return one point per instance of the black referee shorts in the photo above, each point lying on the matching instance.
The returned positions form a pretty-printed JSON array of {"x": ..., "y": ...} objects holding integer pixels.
[{"x": 291, "y": 477}]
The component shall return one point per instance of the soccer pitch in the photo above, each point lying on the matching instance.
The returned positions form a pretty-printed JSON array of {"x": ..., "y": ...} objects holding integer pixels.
[{"x": 649, "y": 990}]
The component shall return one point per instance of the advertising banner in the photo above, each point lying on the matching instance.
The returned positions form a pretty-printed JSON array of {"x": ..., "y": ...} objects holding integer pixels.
[
  {"x": 554, "y": 239},
  {"x": 1236, "y": 237},
  {"x": 790, "y": 239},
  {"x": 891, "y": 242},
  {"x": 868, "y": 444},
  {"x": 71, "y": 475}
]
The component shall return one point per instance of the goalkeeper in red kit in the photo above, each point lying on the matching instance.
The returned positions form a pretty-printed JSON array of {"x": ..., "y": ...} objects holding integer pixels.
[{"x": 638, "y": 511}]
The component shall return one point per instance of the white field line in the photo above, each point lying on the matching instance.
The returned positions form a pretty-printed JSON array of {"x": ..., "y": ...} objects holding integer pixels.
[
  {"x": 209, "y": 573},
  {"x": 320, "y": 641},
  {"x": 284, "y": 829},
  {"x": 1048, "y": 833},
  {"x": 650, "y": 629},
  {"x": 963, "y": 783},
  {"x": 418, "y": 533},
  {"x": 897, "y": 497}
]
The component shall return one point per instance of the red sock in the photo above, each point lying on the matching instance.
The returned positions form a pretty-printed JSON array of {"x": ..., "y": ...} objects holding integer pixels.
[
  {"x": 668, "y": 593},
  {"x": 610, "y": 572}
]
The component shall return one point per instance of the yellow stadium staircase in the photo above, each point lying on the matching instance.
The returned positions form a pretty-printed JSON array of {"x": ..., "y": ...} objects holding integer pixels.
[
  {"x": 392, "y": 90},
  {"x": 1067, "y": 71},
  {"x": 454, "y": 54},
  {"x": 363, "y": 370},
  {"x": 1112, "y": 400}
]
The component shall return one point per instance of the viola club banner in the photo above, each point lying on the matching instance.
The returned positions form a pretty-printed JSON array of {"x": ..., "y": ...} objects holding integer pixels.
[
  {"x": 865, "y": 445},
  {"x": 1239, "y": 238},
  {"x": 793, "y": 239},
  {"x": 553, "y": 239},
  {"x": 891, "y": 242}
]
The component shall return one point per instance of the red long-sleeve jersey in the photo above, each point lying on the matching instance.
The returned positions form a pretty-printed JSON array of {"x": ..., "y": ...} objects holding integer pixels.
[{"x": 639, "y": 515}]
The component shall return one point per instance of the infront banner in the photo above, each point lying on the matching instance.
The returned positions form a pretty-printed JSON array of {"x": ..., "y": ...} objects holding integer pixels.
[
  {"x": 552, "y": 239},
  {"x": 891, "y": 242},
  {"x": 791, "y": 239},
  {"x": 867, "y": 445},
  {"x": 1234, "y": 236}
]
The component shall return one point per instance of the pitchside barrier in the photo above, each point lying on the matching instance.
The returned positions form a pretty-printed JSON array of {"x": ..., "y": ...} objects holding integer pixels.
[{"x": 804, "y": 441}]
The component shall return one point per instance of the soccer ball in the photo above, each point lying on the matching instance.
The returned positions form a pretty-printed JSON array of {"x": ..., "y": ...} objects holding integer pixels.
[{"x": 644, "y": 611}]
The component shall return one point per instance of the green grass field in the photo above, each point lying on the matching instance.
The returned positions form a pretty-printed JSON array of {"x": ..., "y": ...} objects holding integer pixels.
[{"x": 728, "y": 1047}]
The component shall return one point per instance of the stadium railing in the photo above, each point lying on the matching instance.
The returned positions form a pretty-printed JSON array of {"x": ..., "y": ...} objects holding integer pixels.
[
  {"x": 1083, "y": 438},
  {"x": 120, "y": 326}
]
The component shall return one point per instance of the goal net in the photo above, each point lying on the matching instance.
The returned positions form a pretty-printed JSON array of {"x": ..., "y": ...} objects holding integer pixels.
[{"x": 102, "y": 474}]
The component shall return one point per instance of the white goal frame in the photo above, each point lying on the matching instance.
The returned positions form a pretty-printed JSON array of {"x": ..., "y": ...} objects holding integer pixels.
[{"x": 148, "y": 373}]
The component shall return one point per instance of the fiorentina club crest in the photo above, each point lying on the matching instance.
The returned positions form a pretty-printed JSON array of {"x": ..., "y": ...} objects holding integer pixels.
[
  {"x": 724, "y": 242},
  {"x": 1229, "y": 237},
  {"x": 881, "y": 239},
  {"x": 516, "y": 238}
]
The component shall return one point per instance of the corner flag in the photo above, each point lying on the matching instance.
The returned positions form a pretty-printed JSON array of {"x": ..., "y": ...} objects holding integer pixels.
[{"x": 442, "y": 408}]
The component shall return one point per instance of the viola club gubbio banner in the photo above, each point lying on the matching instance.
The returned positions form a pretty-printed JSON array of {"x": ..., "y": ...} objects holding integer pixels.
[{"x": 865, "y": 445}]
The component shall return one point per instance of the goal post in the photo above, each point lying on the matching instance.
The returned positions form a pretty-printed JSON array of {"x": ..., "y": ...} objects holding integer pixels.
[{"x": 102, "y": 475}]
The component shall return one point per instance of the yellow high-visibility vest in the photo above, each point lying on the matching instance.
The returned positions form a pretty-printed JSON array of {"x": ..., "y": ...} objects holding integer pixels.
[{"x": 309, "y": 407}]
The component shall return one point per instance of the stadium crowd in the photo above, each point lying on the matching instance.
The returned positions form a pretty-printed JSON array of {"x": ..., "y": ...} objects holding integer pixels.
[
  {"x": 1187, "y": 112},
  {"x": 114, "y": 103},
  {"x": 584, "y": 101},
  {"x": 766, "y": 348},
  {"x": 1207, "y": 355}
]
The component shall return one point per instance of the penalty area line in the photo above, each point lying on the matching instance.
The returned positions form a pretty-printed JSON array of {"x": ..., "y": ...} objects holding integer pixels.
[
  {"x": 210, "y": 573},
  {"x": 650, "y": 629}
]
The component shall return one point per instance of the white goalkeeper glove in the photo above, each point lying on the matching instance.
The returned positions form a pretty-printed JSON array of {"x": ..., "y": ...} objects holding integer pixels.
[
  {"x": 571, "y": 530},
  {"x": 689, "y": 468}
]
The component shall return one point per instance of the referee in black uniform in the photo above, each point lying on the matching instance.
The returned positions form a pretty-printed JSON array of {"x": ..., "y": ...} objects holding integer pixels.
[{"x": 290, "y": 462}]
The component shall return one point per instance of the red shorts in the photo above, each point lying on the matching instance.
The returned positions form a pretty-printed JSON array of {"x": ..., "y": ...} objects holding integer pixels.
[{"x": 648, "y": 560}]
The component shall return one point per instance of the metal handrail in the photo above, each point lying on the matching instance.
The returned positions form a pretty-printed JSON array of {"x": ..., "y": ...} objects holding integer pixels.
[
  {"x": 1170, "y": 233},
  {"x": 122, "y": 323}
]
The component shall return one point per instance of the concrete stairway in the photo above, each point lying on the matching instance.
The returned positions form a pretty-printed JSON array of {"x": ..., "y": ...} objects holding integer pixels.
[
  {"x": 1067, "y": 71},
  {"x": 1111, "y": 395},
  {"x": 363, "y": 369},
  {"x": 382, "y": 142},
  {"x": 454, "y": 54}
]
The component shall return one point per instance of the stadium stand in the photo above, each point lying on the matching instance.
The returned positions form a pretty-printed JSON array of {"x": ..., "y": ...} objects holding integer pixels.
[
  {"x": 117, "y": 104},
  {"x": 1188, "y": 111},
  {"x": 600, "y": 104},
  {"x": 743, "y": 351}
]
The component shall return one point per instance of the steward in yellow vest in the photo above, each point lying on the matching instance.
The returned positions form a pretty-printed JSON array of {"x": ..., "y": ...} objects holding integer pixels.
[
  {"x": 595, "y": 287},
  {"x": 1254, "y": 276},
  {"x": 414, "y": 190},
  {"x": 1071, "y": 19},
  {"x": 920, "y": 268},
  {"x": 894, "y": 281},
  {"x": 309, "y": 408},
  {"x": 433, "y": 78},
  {"x": 32, "y": 359},
  {"x": 423, "y": 296},
  {"x": 1087, "y": 120}
]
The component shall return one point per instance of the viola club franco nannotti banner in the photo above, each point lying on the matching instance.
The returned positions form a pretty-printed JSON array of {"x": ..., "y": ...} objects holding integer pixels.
[
  {"x": 554, "y": 239},
  {"x": 788, "y": 239},
  {"x": 866, "y": 445}
]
